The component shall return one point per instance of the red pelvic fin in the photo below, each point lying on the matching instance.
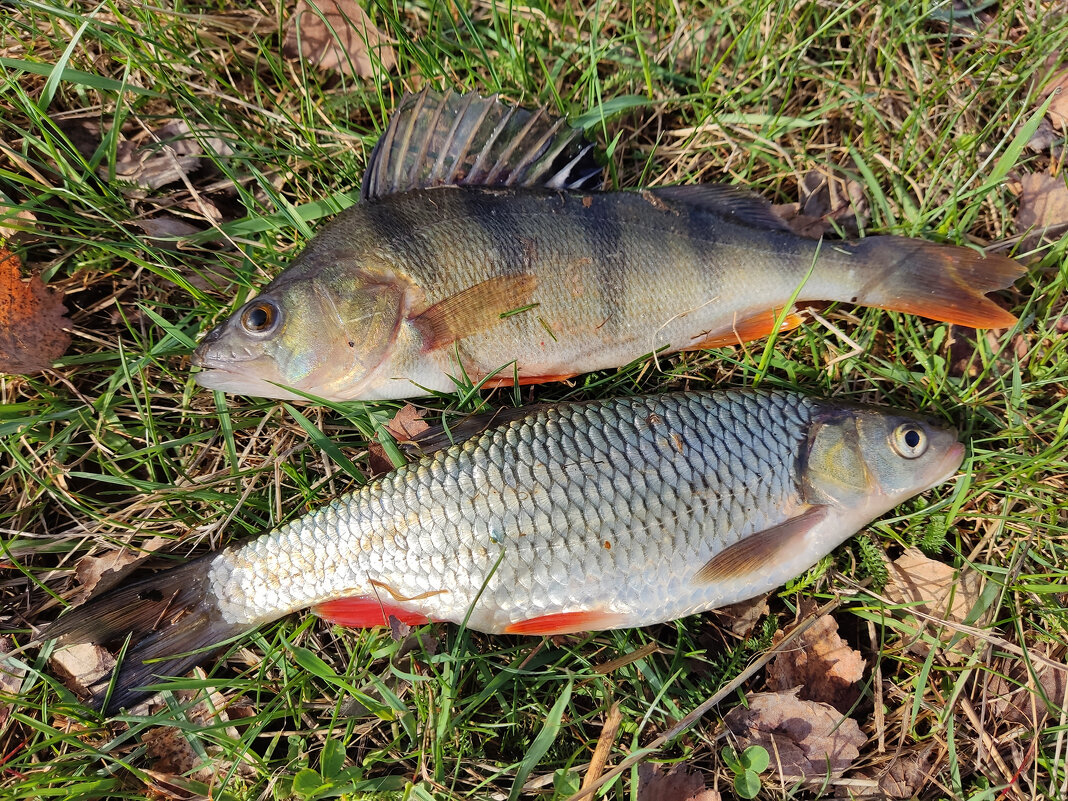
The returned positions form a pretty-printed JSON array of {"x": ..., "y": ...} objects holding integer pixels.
[
  {"x": 747, "y": 329},
  {"x": 365, "y": 611},
  {"x": 567, "y": 623},
  {"x": 498, "y": 381}
]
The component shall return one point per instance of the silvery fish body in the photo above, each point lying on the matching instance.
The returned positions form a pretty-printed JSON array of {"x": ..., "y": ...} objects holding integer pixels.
[{"x": 606, "y": 514}]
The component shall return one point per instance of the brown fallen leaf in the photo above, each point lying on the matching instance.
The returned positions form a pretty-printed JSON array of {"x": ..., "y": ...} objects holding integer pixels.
[
  {"x": 741, "y": 618},
  {"x": 803, "y": 738},
  {"x": 81, "y": 666},
  {"x": 1057, "y": 86},
  {"x": 14, "y": 221},
  {"x": 822, "y": 665},
  {"x": 10, "y": 679},
  {"x": 406, "y": 425},
  {"x": 1043, "y": 212},
  {"x": 339, "y": 36},
  {"x": 31, "y": 321},
  {"x": 152, "y": 160},
  {"x": 938, "y": 590},
  {"x": 1013, "y": 699},
  {"x": 100, "y": 573},
  {"x": 680, "y": 783},
  {"x": 827, "y": 200},
  {"x": 907, "y": 774},
  {"x": 169, "y": 751}
]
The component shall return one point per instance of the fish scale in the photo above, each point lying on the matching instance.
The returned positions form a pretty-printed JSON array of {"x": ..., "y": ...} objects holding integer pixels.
[
  {"x": 568, "y": 518},
  {"x": 665, "y": 481}
]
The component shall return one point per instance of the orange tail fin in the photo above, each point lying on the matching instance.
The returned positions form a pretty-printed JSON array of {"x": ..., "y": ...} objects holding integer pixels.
[{"x": 942, "y": 282}]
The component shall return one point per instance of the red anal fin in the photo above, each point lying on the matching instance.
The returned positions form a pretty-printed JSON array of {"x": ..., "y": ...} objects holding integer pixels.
[
  {"x": 567, "y": 623},
  {"x": 747, "y": 329},
  {"x": 498, "y": 381},
  {"x": 364, "y": 611}
]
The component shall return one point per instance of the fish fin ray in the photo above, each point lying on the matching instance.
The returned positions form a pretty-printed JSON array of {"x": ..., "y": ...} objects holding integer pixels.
[
  {"x": 941, "y": 282},
  {"x": 749, "y": 328},
  {"x": 169, "y": 620},
  {"x": 473, "y": 309},
  {"x": 366, "y": 611},
  {"x": 758, "y": 549},
  {"x": 498, "y": 381},
  {"x": 567, "y": 623},
  {"x": 439, "y": 437},
  {"x": 733, "y": 202},
  {"x": 452, "y": 139}
]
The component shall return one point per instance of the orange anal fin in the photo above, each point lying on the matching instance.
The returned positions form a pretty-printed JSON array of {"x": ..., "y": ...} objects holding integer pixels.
[
  {"x": 364, "y": 611},
  {"x": 567, "y": 623},
  {"x": 749, "y": 328},
  {"x": 474, "y": 309},
  {"x": 756, "y": 551},
  {"x": 498, "y": 381}
]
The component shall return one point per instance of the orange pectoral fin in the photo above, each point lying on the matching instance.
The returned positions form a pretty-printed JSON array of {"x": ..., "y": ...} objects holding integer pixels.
[
  {"x": 499, "y": 381},
  {"x": 567, "y": 623},
  {"x": 474, "y": 309},
  {"x": 747, "y": 329},
  {"x": 759, "y": 549},
  {"x": 365, "y": 611}
]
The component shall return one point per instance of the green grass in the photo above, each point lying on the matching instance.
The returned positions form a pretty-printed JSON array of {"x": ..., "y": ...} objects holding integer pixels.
[{"x": 116, "y": 445}]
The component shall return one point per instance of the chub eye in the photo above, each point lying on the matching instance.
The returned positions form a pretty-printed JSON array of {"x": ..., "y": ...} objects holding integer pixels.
[
  {"x": 909, "y": 440},
  {"x": 260, "y": 317}
]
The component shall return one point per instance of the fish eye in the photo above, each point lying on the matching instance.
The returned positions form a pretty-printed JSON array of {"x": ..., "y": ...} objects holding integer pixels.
[
  {"x": 260, "y": 317},
  {"x": 909, "y": 441}
]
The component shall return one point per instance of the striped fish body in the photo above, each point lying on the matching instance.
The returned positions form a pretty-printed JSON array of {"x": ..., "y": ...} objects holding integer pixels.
[
  {"x": 419, "y": 286},
  {"x": 600, "y": 515}
]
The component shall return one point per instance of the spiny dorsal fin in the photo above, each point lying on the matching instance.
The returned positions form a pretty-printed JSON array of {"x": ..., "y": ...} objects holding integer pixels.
[
  {"x": 761, "y": 548},
  {"x": 734, "y": 202},
  {"x": 450, "y": 139}
]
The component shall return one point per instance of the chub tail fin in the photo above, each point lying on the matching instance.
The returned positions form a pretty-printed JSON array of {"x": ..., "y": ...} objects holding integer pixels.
[
  {"x": 170, "y": 620},
  {"x": 942, "y": 282}
]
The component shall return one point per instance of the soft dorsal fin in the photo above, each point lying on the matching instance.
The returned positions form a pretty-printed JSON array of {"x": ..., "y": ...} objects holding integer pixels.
[
  {"x": 734, "y": 202},
  {"x": 439, "y": 437},
  {"x": 449, "y": 139}
]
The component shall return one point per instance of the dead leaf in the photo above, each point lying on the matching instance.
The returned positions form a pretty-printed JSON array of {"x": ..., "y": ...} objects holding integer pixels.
[
  {"x": 1043, "y": 211},
  {"x": 164, "y": 229},
  {"x": 907, "y": 774},
  {"x": 1016, "y": 700},
  {"x": 31, "y": 321},
  {"x": 14, "y": 221},
  {"x": 741, "y": 618},
  {"x": 680, "y": 783},
  {"x": 169, "y": 751},
  {"x": 81, "y": 666},
  {"x": 339, "y": 36},
  {"x": 804, "y": 738},
  {"x": 100, "y": 573},
  {"x": 938, "y": 590},
  {"x": 10, "y": 679},
  {"x": 822, "y": 665},
  {"x": 152, "y": 160},
  {"x": 406, "y": 425},
  {"x": 1058, "y": 108},
  {"x": 827, "y": 201}
]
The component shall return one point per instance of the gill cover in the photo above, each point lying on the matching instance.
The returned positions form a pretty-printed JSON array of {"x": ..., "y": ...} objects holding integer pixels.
[
  {"x": 855, "y": 453},
  {"x": 311, "y": 335}
]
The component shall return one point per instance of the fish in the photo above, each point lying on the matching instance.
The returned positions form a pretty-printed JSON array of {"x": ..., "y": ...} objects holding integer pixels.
[
  {"x": 554, "y": 519},
  {"x": 481, "y": 252}
]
